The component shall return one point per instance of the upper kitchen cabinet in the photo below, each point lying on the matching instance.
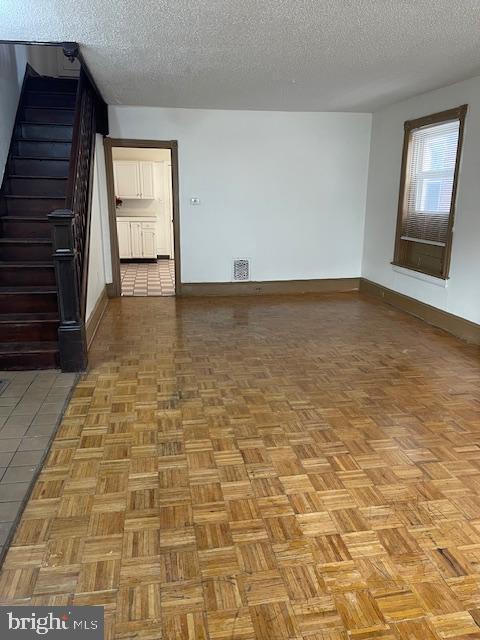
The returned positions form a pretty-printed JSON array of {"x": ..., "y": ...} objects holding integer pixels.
[
  {"x": 146, "y": 180},
  {"x": 133, "y": 179}
]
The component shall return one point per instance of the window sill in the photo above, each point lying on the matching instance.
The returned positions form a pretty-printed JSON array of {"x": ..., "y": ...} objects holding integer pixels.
[{"x": 418, "y": 275}]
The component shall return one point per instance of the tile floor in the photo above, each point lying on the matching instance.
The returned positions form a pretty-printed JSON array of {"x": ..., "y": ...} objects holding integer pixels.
[
  {"x": 31, "y": 405},
  {"x": 148, "y": 278}
]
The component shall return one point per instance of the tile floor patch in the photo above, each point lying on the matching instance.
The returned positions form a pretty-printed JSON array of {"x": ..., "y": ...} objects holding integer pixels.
[
  {"x": 31, "y": 406},
  {"x": 148, "y": 278}
]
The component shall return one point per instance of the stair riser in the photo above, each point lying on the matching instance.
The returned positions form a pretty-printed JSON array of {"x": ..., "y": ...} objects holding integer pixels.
[
  {"x": 39, "y": 207},
  {"x": 28, "y": 303},
  {"x": 25, "y": 252},
  {"x": 44, "y": 149},
  {"x": 35, "y": 99},
  {"x": 58, "y": 85},
  {"x": 44, "y": 132},
  {"x": 26, "y": 229},
  {"x": 25, "y": 277},
  {"x": 26, "y": 361},
  {"x": 31, "y": 167},
  {"x": 29, "y": 332},
  {"x": 59, "y": 116},
  {"x": 36, "y": 187}
]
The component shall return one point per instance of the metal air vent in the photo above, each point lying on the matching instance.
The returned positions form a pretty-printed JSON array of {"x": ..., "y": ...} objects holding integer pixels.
[{"x": 241, "y": 269}]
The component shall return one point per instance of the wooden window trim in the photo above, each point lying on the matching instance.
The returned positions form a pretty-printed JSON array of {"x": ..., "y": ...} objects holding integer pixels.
[{"x": 459, "y": 114}]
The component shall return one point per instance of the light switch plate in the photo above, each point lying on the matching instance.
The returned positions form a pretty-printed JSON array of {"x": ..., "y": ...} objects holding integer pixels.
[{"x": 194, "y": 201}]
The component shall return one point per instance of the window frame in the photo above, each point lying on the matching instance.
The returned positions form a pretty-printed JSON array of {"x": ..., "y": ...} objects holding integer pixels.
[{"x": 401, "y": 246}]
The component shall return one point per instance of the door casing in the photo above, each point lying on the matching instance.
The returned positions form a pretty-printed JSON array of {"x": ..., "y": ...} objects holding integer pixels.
[{"x": 115, "y": 288}]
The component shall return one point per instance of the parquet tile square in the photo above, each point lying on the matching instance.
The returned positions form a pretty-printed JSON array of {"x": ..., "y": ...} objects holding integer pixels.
[
  {"x": 263, "y": 468},
  {"x": 263, "y": 587}
]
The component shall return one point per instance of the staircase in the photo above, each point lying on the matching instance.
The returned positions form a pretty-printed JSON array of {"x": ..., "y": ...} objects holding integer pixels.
[{"x": 34, "y": 185}]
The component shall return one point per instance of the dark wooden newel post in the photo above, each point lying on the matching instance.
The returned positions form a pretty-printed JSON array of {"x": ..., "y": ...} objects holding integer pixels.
[{"x": 71, "y": 333}]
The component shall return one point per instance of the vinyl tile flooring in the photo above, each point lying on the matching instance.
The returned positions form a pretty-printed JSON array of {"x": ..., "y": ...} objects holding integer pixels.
[
  {"x": 148, "y": 278},
  {"x": 31, "y": 404},
  {"x": 295, "y": 468}
]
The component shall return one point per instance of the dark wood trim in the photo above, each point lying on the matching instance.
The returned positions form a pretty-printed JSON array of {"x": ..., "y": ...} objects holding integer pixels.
[
  {"x": 71, "y": 333},
  {"x": 451, "y": 221},
  {"x": 71, "y": 232},
  {"x": 79, "y": 190},
  {"x": 116, "y": 289},
  {"x": 457, "y": 326},
  {"x": 143, "y": 144},
  {"x": 96, "y": 316},
  {"x": 457, "y": 113},
  {"x": 267, "y": 287},
  {"x": 426, "y": 272},
  {"x": 110, "y": 290},
  {"x": 399, "y": 259},
  {"x": 101, "y": 107}
]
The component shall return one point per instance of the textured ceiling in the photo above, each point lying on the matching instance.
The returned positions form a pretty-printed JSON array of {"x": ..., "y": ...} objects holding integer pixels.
[{"x": 306, "y": 55}]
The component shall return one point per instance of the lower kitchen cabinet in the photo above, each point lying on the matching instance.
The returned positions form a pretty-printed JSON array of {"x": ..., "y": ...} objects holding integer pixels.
[{"x": 136, "y": 239}]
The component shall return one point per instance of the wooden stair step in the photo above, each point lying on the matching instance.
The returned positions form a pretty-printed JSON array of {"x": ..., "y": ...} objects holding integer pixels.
[
  {"x": 49, "y": 99},
  {"x": 44, "y": 131},
  {"x": 51, "y": 186},
  {"x": 52, "y": 85},
  {"x": 25, "y": 227},
  {"x": 38, "y": 166},
  {"x": 42, "y": 148},
  {"x": 7, "y": 318},
  {"x": 24, "y": 299},
  {"x": 21, "y": 249},
  {"x": 15, "y": 273},
  {"x": 28, "y": 355},
  {"x": 15, "y": 205},
  {"x": 27, "y": 327},
  {"x": 61, "y": 115}
]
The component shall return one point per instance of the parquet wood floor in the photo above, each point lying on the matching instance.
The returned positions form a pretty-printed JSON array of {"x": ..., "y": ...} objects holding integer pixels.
[{"x": 263, "y": 468}]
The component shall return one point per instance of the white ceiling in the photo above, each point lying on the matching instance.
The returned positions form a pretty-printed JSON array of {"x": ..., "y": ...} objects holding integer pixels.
[{"x": 305, "y": 55}]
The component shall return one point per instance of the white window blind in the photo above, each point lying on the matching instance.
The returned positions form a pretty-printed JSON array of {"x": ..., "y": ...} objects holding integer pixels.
[{"x": 429, "y": 183}]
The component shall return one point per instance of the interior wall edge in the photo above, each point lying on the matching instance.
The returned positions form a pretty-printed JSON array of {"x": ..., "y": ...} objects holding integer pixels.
[
  {"x": 96, "y": 316},
  {"x": 456, "y": 325}
]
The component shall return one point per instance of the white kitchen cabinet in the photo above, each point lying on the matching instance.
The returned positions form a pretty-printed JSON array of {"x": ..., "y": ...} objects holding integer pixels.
[
  {"x": 124, "y": 241},
  {"x": 133, "y": 179},
  {"x": 127, "y": 179},
  {"x": 147, "y": 189},
  {"x": 149, "y": 240},
  {"x": 136, "y": 239}
]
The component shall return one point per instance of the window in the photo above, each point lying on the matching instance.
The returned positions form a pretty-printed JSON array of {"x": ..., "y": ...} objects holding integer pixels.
[{"x": 428, "y": 184}]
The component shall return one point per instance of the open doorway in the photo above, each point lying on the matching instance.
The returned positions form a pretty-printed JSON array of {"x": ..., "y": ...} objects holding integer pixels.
[{"x": 142, "y": 181}]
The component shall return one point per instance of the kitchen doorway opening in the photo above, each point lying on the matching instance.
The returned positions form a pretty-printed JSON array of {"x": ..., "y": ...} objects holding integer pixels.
[{"x": 142, "y": 181}]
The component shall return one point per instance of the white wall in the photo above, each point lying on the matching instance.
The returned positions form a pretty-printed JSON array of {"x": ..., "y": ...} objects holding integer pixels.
[
  {"x": 21, "y": 58},
  {"x": 461, "y": 295},
  {"x": 286, "y": 190},
  {"x": 100, "y": 266},
  {"x": 9, "y": 95}
]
